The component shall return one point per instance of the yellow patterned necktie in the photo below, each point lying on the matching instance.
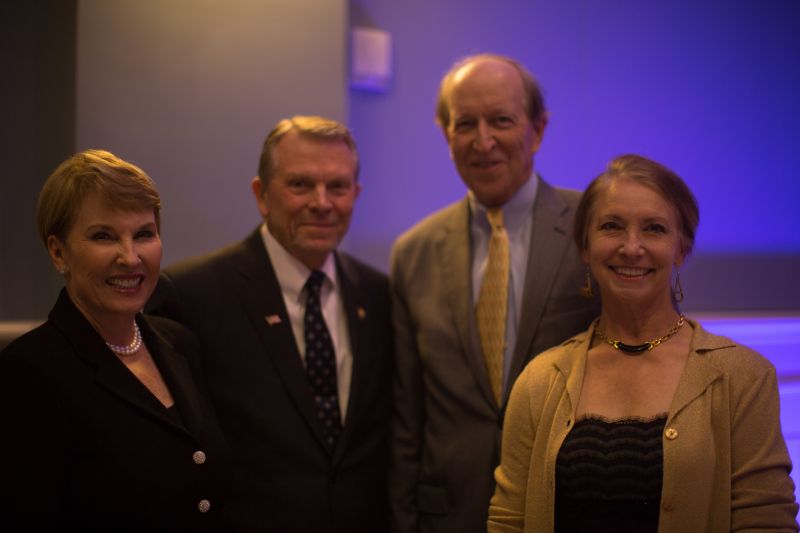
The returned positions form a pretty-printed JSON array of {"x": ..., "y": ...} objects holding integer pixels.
[{"x": 493, "y": 300}]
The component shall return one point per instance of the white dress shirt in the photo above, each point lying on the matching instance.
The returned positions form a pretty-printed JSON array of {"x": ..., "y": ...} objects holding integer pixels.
[
  {"x": 518, "y": 221},
  {"x": 292, "y": 276}
]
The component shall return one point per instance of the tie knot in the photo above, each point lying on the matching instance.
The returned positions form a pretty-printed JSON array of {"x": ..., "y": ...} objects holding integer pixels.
[
  {"x": 495, "y": 217},
  {"x": 314, "y": 282}
]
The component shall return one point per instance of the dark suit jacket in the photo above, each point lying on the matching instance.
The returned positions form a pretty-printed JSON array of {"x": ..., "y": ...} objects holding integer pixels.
[
  {"x": 288, "y": 479},
  {"x": 85, "y": 446},
  {"x": 447, "y": 424}
]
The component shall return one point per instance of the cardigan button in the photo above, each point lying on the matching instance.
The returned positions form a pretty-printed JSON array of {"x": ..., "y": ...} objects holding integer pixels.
[
  {"x": 199, "y": 457},
  {"x": 203, "y": 506},
  {"x": 671, "y": 433}
]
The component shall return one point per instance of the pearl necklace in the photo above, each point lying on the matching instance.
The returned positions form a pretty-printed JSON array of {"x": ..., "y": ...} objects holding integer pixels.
[
  {"x": 637, "y": 349},
  {"x": 131, "y": 348}
]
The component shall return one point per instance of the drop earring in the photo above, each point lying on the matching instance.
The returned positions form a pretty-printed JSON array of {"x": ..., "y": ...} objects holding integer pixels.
[
  {"x": 677, "y": 289},
  {"x": 588, "y": 290}
]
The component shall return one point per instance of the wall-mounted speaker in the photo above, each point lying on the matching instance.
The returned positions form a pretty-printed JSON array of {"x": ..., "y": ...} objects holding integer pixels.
[{"x": 370, "y": 59}]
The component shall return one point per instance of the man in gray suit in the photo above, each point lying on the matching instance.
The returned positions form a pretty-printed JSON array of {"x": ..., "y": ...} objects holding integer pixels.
[{"x": 455, "y": 367}]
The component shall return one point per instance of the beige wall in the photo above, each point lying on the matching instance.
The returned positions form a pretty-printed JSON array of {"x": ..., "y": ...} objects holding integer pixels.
[
  {"x": 185, "y": 88},
  {"x": 188, "y": 89}
]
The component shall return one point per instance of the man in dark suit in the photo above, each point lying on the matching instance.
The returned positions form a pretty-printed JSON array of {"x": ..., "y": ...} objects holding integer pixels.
[
  {"x": 478, "y": 289},
  {"x": 298, "y": 343}
]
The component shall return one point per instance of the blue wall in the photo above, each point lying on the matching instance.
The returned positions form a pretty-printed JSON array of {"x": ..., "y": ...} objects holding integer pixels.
[{"x": 708, "y": 88}]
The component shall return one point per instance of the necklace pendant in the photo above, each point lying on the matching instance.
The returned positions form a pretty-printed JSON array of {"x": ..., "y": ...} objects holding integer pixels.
[
  {"x": 638, "y": 349},
  {"x": 633, "y": 349}
]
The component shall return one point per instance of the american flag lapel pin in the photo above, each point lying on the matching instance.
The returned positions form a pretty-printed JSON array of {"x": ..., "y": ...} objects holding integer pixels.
[
  {"x": 362, "y": 313},
  {"x": 273, "y": 320}
]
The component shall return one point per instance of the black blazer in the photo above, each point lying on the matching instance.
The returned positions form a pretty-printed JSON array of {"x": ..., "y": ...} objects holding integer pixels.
[
  {"x": 287, "y": 478},
  {"x": 85, "y": 446}
]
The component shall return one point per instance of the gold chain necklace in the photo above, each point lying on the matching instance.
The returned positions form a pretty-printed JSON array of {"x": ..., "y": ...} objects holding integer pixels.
[{"x": 636, "y": 349}]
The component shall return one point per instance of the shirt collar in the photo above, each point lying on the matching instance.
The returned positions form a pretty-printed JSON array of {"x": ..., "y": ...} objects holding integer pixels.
[
  {"x": 292, "y": 274},
  {"x": 515, "y": 210}
]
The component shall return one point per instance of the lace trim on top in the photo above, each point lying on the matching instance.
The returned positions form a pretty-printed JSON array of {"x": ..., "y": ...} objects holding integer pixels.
[{"x": 624, "y": 420}]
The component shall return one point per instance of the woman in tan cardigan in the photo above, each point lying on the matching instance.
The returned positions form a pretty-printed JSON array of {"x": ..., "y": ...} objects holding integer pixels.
[{"x": 645, "y": 422}]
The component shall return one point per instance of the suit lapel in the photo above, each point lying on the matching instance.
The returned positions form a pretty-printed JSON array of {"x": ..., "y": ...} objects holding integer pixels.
[
  {"x": 698, "y": 374},
  {"x": 549, "y": 242},
  {"x": 454, "y": 248},
  {"x": 356, "y": 311},
  {"x": 110, "y": 373},
  {"x": 262, "y": 299},
  {"x": 176, "y": 373}
]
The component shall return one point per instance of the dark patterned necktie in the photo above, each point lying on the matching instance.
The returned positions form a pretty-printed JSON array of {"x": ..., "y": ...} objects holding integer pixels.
[{"x": 321, "y": 361}]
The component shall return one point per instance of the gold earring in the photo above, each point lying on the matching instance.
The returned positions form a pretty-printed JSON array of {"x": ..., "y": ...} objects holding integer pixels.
[
  {"x": 588, "y": 290},
  {"x": 677, "y": 289}
]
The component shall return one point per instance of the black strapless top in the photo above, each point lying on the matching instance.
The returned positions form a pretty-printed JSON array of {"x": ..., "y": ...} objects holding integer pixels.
[
  {"x": 609, "y": 475},
  {"x": 174, "y": 414}
]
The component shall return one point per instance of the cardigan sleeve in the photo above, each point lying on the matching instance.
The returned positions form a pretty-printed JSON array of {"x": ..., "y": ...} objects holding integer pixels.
[
  {"x": 762, "y": 493},
  {"x": 507, "y": 507}
]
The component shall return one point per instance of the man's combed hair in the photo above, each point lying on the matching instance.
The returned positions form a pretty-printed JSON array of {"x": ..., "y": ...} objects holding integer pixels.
[{"x": 311, "y": 126}]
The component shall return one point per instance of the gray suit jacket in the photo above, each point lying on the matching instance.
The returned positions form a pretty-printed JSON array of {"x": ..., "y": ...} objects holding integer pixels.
[{"x": 447, "y": 424}]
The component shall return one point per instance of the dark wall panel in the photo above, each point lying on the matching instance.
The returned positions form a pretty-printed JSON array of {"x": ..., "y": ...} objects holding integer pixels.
[{"x": 37, "y": 96}]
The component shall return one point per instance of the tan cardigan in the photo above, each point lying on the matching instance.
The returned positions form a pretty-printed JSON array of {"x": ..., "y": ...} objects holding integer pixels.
[{"x": 726, "y": 467}]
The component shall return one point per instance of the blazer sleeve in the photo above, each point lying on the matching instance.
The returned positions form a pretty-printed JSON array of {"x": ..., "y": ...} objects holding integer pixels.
[
  {"x": 507, "y": 507},
  {"x": 762, "y": 493},
  {"x": 34, "y": 447}
]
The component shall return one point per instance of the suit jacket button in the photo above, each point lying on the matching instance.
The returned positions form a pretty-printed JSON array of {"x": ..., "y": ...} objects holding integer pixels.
[
  {"x": 199, "y": 457},
  {"x": 203, "y": 506},
  {"x": 671, "y": 433}
]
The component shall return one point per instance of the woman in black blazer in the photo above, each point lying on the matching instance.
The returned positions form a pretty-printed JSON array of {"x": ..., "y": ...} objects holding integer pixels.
[{"x": 102, "y": 426}]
